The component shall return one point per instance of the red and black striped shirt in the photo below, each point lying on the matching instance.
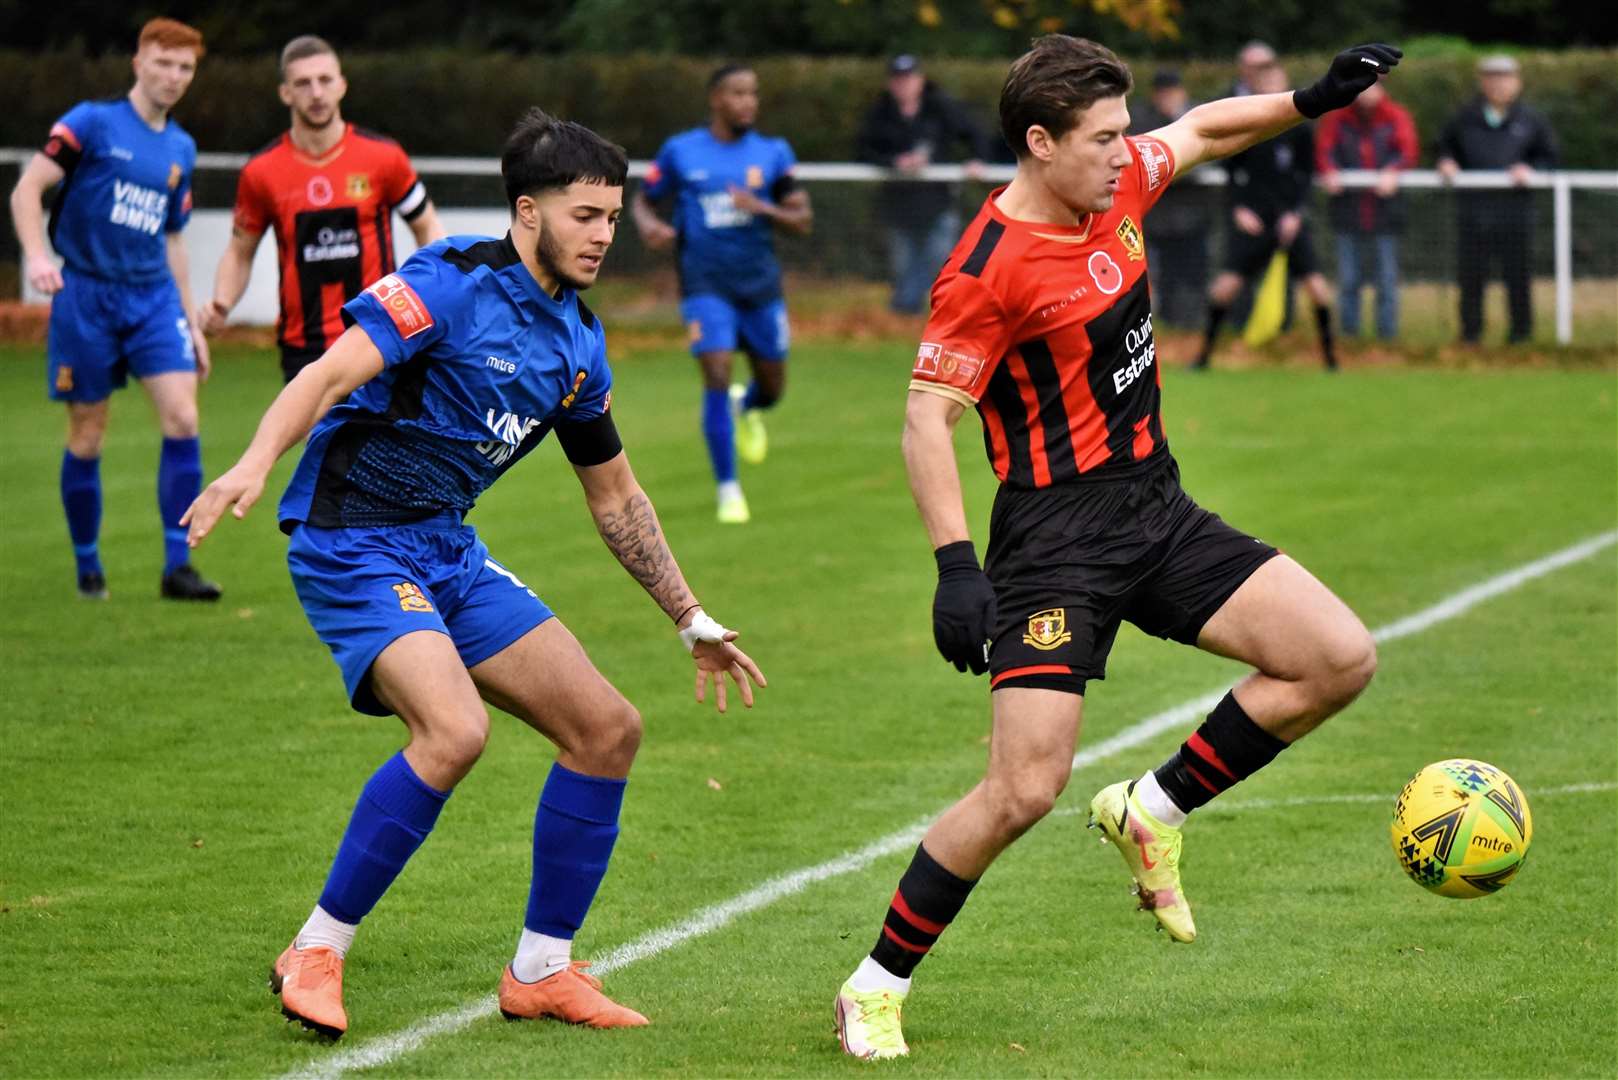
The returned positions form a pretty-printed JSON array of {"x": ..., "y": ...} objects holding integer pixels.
[
  {"x": 333, "y": 222},
  {"x": 1047, "y": 330}
]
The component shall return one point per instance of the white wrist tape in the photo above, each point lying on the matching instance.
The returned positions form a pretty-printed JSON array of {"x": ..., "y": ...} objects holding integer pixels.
[{"x": 702, "y": 628}]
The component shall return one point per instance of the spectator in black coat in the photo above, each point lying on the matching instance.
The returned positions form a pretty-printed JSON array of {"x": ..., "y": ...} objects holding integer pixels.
[
  {"x": 912, "y": 125},
  {"x": 1270, "y": 186},
  {"x": 1177, "y": 242},
  {"x": 1496, "y": 131}
]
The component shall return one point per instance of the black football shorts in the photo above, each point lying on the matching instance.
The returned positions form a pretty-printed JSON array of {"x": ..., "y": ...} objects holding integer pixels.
[
  {"x": 1250, "y": 255},
  {"x": 1069, "y": 562}
]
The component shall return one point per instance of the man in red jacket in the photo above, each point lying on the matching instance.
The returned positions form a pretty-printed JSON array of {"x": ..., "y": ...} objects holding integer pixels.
[{"x": 1373, "y": 133}]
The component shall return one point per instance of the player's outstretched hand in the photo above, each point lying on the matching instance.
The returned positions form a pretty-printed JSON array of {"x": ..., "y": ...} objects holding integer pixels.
[
  {"x": 963, "y": 608},
  {"x": 237, "y": 490},
  {"x": 715, "y": 660},
  {"x": 1351, "y": 72}
]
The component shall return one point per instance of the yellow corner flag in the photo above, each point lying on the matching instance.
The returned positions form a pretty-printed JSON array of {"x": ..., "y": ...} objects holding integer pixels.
[{"x": 1269, "y": 303}]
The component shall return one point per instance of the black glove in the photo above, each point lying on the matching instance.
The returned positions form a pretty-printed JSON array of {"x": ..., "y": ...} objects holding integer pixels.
[
  {"x": 1351, "y": 71},
  {"x": 963, "y": 608}
]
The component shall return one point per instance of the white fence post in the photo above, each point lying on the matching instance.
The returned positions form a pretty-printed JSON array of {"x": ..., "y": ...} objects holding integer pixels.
[{"x": 1562, "y": 208}]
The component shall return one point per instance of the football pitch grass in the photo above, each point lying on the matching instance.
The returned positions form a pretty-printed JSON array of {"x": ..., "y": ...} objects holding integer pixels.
[{"x": 177, "y": 778}]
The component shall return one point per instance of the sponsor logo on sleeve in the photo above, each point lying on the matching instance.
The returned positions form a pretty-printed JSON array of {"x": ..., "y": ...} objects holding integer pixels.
[
  {"x": 1154, "y": 160},
  {"x": 653, "y": 173},
  {"x": 927, "y": 360},
  {"x": 950, "y": 367},
  {"x": 1129, "y": 234},
  {"x": 65, "y": 134},
  {"x": 410, "y": 316}
]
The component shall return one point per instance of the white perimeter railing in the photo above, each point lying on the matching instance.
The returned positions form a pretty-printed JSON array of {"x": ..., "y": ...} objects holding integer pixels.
[{"x": 210, "y": 229}]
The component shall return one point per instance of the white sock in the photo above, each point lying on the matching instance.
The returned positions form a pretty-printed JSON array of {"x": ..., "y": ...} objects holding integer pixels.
[
  {"x": 323, "y": 930},
  {"x": 1157, "y": 801},
  {"x": 730, "y": 489},
  {"x": 540, "y": 956},
  {"x": 871, "y": 975}
]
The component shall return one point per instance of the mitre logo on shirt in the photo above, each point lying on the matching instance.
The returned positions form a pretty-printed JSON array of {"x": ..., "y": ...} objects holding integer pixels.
[
  {"x": 410, "y": 316},
  {"x": 1154, "y": 159}
]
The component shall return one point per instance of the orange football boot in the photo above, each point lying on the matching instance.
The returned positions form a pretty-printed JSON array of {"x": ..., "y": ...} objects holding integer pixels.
[
  {"x": 310, "y": 983},
  {"x": 572, "y": 995}
]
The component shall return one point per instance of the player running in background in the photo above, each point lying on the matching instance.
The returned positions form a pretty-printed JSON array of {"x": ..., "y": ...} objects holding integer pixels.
[
  {"x": 1042, "y": 321},
  {"x": 118, "y": 305},
  {"x": 329, "y": 190},
  {"x": 456, "y": 366},
  {"x": 732, "y": 187}
]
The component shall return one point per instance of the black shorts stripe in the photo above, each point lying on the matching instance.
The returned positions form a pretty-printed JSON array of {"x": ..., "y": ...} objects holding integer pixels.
[{"x": 975, "y": 262}]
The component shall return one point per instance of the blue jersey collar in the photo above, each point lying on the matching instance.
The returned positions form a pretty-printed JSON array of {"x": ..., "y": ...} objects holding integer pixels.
[{"x": 531, "y": 289}]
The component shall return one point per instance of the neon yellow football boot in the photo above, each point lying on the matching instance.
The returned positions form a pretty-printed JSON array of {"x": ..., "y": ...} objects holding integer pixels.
[
  {"x": 1151, "y": 850},
  {"x": 752, "y": 444},
  {"x": 868, "y": 1023},
  {"x": 733, "y": 508}
]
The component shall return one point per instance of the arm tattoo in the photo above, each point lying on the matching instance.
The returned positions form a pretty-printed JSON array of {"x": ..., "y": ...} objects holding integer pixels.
[{"x": 632, "y": 533}]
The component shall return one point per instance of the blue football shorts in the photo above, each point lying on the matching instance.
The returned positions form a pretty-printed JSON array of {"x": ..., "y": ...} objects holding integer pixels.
[
  {"x": 715, "y": 324},
  {"x": 101, "y": 331},
  {"x": 363, "y": 589}
]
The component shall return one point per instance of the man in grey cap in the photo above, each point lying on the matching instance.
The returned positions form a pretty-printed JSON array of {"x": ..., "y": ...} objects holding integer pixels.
[
  {"x": 1496, "y": 131},
  {"x": 912, "y": 125}
]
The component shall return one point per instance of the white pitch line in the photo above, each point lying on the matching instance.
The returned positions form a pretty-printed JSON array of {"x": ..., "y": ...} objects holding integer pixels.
[{"x": 388, "y": 1048}]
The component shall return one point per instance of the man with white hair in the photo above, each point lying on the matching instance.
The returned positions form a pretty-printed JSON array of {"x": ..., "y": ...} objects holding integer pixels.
[{"x": 1496, "y": 131}]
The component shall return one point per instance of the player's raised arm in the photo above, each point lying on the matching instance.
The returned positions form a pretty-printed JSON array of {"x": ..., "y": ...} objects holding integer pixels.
[
  {"x": 1230, "y": 125},
  {"x": 352, "y": 360},
  {"x": 628, "y": 524}
]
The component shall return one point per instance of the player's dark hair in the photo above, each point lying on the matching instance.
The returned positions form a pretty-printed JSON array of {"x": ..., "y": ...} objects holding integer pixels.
[
  {"x": 543, "y": 153},
  {"x": 303, "y": 47},
  {"x": 1053, "y": 82},
  {"x": 723, "y": 72}
]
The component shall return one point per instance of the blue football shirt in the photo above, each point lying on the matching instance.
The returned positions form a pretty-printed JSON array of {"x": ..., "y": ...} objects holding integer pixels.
[
  {"x": 127, "y": 186},
  {"x": 723, "y": 250},
  {"x": 480, "y": 365}
]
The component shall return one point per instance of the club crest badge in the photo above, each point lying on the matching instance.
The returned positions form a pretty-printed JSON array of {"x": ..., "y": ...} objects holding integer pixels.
[
  {"x": 1047, "y": 629},
  {"x": 1129, "y": 235},
  {"x": 411, "y": 598}
]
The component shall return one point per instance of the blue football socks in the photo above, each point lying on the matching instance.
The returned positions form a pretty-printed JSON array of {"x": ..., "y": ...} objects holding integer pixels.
[
  {"x": 395, "y": 812},
  {"x": 179, "y": 481},
  {"x": 575, "y": 829},
  {"x": 81, "y": 499},
  {"x": 720, "y": 431}
]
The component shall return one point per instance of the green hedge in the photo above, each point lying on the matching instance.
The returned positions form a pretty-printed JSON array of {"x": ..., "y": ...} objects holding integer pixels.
[{"x": 441, "y": 102}]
